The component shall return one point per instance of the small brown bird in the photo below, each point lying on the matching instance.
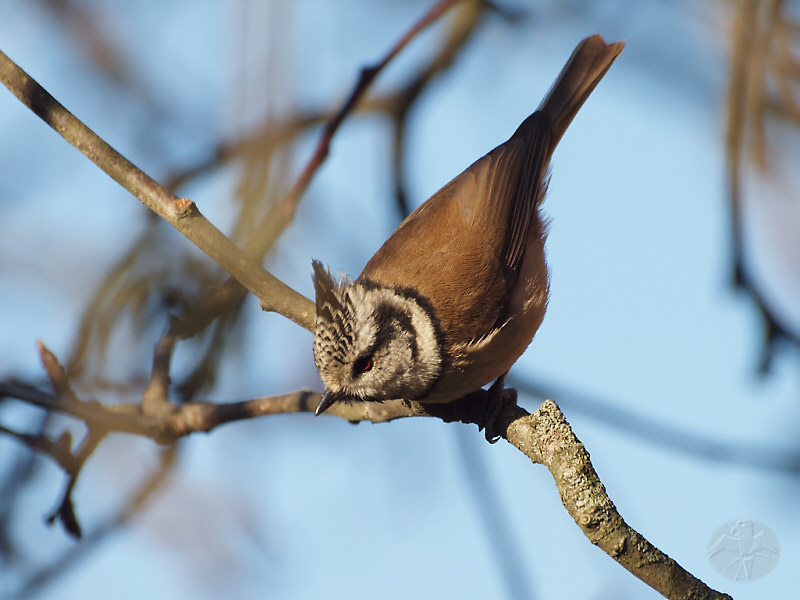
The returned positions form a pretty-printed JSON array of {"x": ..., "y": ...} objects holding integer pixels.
[{"x": 455, "y": 295}]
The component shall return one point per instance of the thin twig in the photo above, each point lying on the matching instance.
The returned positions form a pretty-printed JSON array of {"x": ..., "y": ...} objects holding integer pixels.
[
  {"x": 181, "y": 213},
  {"x": 24, "y": 468},
  {"x": 156, "y": 395},
  {"x": 367, "y": 75},
  {"x": 267, "y": 231},
  {"x": 59, "y": 450},
  {"x": 753, "y": 34},
  {"x": 65, "y": 511},
  {"x": 54, "y": 370},
  {"x": 400, "y": 104},
  {"x": 92, "y": 541}
]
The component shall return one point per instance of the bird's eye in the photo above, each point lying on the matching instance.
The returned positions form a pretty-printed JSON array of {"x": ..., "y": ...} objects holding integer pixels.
[{"x": 362, "y": 365}]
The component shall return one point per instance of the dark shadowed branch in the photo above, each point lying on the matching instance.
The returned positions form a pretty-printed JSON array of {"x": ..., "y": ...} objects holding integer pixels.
[
  {"x": 400, "y": 105},
  {"x": 675, "y": 439},
  {"x": 498, "y": 529},
  {"x": 133, "y": 505}
]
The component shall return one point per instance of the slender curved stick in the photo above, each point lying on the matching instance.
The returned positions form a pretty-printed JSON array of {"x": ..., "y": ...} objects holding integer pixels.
[
  {"x": 136, "y": 502},
  {"x": 280, "y": 215},
  {"x": 752, "y": 33},
  {"x": 365, "y": 79},
  {"x": 181, "y": 213}
]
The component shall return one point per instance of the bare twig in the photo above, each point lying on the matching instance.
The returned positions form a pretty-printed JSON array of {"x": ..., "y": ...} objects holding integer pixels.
[
  {"x": 400, "y": 104},
  {"x": 287, "y": 206},
  {"x": 181, "y": 213},
  {"x": 167, "y": 426},
  {"x": 65, "y": 511},
  {"x": 72, "y": 463},
  {"x": 265, "y": 234},
  {"x": 59, "y": 450},
  {"x": 91, "y": 542},
  {"x": 756, "y": 52},
  {"x": 156, "y": 395},
  {"x": 54, "y": 370},
  {"x": 24, "y": 468}
]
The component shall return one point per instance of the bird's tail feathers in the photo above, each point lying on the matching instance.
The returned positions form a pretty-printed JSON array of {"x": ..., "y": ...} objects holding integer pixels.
[{"x": 585, "y": 68}]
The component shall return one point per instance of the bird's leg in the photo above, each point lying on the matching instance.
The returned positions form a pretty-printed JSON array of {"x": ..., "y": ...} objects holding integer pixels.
[{"x": 497, "y": 399}]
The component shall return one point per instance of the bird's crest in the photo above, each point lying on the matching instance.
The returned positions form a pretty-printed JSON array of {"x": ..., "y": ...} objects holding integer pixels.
[{"x": 334, "y": 323}]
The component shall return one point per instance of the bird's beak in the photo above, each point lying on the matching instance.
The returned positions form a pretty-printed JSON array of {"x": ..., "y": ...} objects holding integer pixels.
[{"x": 328, "y": 400}]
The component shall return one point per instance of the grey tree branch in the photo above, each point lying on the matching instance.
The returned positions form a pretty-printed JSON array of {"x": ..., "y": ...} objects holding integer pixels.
[
  {"x": 546, "y": 437},
  {"x": 181, "y": 213},
  {"x": 543, "y": 436}
]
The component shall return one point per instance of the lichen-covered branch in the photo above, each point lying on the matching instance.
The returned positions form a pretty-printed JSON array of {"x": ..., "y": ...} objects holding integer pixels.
[{"x": 546, "y": 437}]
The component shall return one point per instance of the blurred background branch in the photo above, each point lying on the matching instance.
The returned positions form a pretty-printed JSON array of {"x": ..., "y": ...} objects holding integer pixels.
[
  {"x": 158, "y": 418},
  {"x": 764, "y": 91}
]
